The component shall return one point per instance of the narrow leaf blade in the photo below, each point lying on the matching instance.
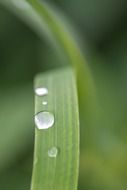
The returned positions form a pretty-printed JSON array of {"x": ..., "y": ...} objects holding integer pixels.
[{"x": 60, "y": 173}]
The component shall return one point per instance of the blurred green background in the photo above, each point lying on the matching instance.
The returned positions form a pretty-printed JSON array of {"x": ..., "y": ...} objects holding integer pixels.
[{"x": 102, "y": 29}]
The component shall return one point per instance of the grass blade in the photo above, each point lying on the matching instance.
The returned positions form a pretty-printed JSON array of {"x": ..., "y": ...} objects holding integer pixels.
[
  {"x": 46, "y": 22},
  {"x": 60, "y": 173}
]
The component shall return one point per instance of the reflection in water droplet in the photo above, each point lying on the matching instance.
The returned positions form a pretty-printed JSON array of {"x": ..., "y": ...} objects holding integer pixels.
[
  {"x": 21, "y": 4},
  {"x": 44, "y": 103},
  {"x": 44, "y": 120},
  {"x": 41, "y": 91},
  {"x": 53, "y": 152}
]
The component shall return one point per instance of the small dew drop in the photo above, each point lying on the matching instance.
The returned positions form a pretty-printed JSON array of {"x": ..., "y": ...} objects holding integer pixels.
[
  {"x": 44, "y": 103},
  {"x": 44, "y": 120},
  {"x": 41, "y": 91},
  {"x": 21, "y": 4},
  {"x": 53, "y": 152}
]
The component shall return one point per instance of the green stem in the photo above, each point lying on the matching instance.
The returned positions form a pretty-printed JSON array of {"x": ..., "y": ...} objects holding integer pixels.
[{"x": 62, "y": 36}]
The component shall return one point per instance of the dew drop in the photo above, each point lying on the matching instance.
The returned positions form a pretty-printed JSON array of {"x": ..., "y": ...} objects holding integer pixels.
[
  {"x": 41, "y": 91},
  {"x": 53, "y": 152},
  {"x": 44, "y": 103},
  {"x": 21, "y": 4},
  {"x": 44, "y": 120}
]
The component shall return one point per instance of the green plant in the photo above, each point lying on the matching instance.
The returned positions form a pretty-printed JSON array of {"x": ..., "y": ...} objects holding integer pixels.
[
  {"x": 102, "y": 127},
  {"x": 56, "y": 159},
  {"x": 44, "y": 20}
]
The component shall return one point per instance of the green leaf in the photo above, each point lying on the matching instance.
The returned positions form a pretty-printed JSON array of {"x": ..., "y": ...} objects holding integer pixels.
[
  {"x": 60, "y": 172},
  {"x": 46, "y": 21}
]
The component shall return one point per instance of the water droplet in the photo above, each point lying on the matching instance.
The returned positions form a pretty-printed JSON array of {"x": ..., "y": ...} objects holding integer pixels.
[
  {"x": 44, "y": 120},
  {"x": 53, "y": 152},
  {"x": 41, "y": 91},
  {"x": 44, "y": 103},
  {"x": 21, "y": 4}
]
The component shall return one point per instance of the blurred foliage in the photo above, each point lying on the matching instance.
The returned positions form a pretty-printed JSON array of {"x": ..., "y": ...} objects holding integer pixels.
[{"x": 103, "y": 30}]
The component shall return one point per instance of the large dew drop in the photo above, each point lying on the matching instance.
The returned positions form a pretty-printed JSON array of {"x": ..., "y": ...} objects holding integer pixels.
[
  {"x": 44, "y": 120},
  {"x": 41, "y": 91},
  {"x": 53, "y": 152},
  {"x": 21, "y": 4}
]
